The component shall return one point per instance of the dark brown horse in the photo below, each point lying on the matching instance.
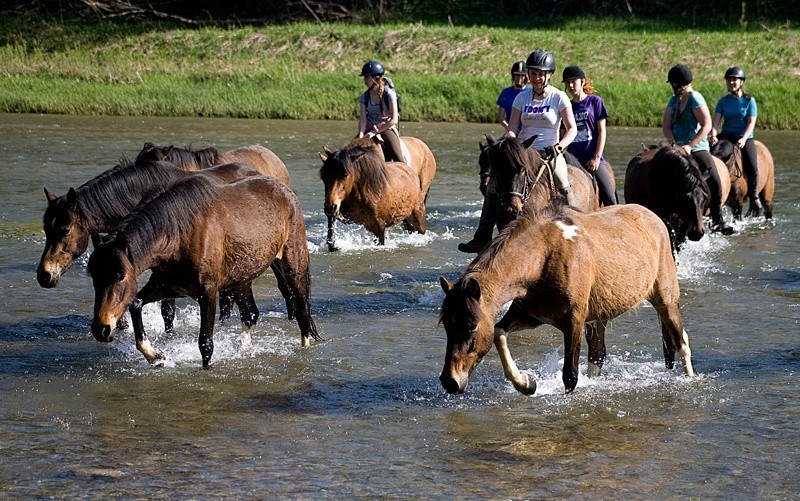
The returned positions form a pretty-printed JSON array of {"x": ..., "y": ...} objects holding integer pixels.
[
  {"x": 100, "y": 204},
  {"x": 731, "y": 154},
  {"x": 255, "y": 156},
  {"x": 668, "y": 182},
  {"x": 361, "y": 187},
  {"x": 563, "y": 268},
  {"x": 198, "y": 238},
  {"x": 523, "y": 178}
]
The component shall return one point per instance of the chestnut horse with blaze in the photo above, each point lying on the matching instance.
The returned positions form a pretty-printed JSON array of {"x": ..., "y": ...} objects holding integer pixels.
[
  {"x": 199, "y": 238},
  {"x": 564, "y": 268}
]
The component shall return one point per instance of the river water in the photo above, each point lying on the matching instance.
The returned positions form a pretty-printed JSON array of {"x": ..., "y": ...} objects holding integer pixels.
[{"x": 362, "y": 414}]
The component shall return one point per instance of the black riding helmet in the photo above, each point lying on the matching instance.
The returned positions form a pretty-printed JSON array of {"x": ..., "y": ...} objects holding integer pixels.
[
  {"x": 679, "y": 75},
  {"x": 734, "y": 72},
  {"x": 571, "y": 73},
  {"x": 541, "y": 60},
  {"x": 518, "y": 68},
  {"x": 371, "y": 69}
]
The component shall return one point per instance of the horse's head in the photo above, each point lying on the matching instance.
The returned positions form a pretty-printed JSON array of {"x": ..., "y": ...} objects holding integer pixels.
[
  {"x": 514, "y": 167},
  {"x": 66, "y": 237},
  {"x": 114, "y": 280},
  {"x": 341, "y": 169},
  {"x": 470, "y": 332},
  {"x": 152, "y": 153},
  {"x": 679, "y": 181}
]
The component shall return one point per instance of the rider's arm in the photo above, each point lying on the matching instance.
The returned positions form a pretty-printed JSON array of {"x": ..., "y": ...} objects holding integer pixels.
[{"x": 513, "y": 123}]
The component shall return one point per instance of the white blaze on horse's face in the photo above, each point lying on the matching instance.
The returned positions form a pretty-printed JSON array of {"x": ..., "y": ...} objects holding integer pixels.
[{"x": 570, "y": 231}]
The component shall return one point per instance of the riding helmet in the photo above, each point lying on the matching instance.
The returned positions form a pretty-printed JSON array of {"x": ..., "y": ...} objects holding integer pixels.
[
  {"x": 734, "y": 72},
  {"x": 571, "y": 73},
  {"x": 679, "y": 75},
  {"x": 519, "y": 68},
  {"x": 371, "y": 69},
  {"x": 541, "y": 60}
]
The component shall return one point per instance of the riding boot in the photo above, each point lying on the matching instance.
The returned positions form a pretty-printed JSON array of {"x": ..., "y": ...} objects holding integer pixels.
[
  {"x": 718, "y": 224},
  {"x": 483, "y": 234},
  {"x": 752, "y": 193}
]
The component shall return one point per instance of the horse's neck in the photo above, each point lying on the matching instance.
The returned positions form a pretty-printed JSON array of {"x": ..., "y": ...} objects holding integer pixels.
[{"x": 513, "y": 267}]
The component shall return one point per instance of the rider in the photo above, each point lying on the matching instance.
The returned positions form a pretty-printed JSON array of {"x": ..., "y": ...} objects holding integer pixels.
[
  {"x": 686, "y": 124},
  {"x": 379, "y": 114},
  {"x": 739, "y": 111},
  {"x": 483, "y": 233},
  {"x": 539, "y": 110},
  {"x": 590, "y": 117},
  {"x": 519, "y": 79}
]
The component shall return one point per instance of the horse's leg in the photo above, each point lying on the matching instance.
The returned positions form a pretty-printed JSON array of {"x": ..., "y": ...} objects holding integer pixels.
[
  {"x": 294, "y": 262},
  {"x": 514, "y": 319},
  {"x": 277, "y": 269},
  {"x": 168, "y": 314},
  {"x": 596, "y": 340},
  {"x": 242, "y": 294},
  {"x": 417, "y": 218},
  {"x": 226, "y": 301},
  {"x": 674, "y": 336},
  {"x": 151, "y": 292},
  {"x": 205, "y": 341},
  {"x": 573, "y": 336},
  {"x": 329, "y": 239}
]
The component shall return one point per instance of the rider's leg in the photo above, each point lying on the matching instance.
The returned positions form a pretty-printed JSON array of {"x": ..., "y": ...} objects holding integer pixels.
[{"x": 559, "y": 167}]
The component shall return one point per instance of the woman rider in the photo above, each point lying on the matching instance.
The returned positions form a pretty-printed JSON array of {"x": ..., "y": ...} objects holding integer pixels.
[
  {"x": 687, "y": 122},
  {"x": 738, "y": 109},
  {"x": 590, "y": 116},
  {"x": 378, "y": 118},
  {"x": 539, "y": 110}
]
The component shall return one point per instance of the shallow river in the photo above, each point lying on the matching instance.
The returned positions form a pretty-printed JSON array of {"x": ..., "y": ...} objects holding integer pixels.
[{"x": 362, "y": 414}]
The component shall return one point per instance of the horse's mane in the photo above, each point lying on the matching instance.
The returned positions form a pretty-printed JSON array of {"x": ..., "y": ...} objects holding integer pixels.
[
  {"x": 185, "y": 158},
  {"x": 672, "y": 168},
  {"x": 112, "y": 194},
  {"x": 169, "y": 215},
  {"x": 361, "y": 158},
  {"x": 553, "y": 211},
  {"x": 728, "y": 152}
]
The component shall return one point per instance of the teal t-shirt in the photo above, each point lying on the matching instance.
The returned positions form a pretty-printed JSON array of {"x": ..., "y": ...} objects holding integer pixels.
[
  {"x": 685, "y": 125},
  {"x": 736, "y": 111}
]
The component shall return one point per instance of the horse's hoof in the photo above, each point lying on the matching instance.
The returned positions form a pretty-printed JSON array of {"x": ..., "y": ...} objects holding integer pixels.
[{"x": 529, "y": 388}]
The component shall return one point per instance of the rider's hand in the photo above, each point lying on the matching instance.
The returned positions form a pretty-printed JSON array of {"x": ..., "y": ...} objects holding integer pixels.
[
  {"x": 687, "y": 149},
  {"x": 553, "y": 151}
]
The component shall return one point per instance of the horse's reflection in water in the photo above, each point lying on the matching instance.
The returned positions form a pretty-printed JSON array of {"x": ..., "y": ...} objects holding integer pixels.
[
  {"x": 199, "y": 238},
  {"x": 563, "y": 268}
]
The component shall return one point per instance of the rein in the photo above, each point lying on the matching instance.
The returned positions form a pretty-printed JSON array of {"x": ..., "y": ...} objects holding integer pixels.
[{"x": 527, "y": 188}]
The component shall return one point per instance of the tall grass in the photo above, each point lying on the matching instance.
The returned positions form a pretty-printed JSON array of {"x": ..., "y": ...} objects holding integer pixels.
[{"x": 309, "y": 71}]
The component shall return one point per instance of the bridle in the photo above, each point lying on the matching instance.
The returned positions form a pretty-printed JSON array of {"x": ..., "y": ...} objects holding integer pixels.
[{"x": 527, "y": 187}]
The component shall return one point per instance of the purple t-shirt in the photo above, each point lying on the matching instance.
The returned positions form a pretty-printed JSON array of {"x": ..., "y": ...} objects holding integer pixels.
[{"x": 587, "y": 113}]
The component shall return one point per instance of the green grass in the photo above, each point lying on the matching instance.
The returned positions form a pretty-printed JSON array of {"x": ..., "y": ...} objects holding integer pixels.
[{"x": 310, "y": 71}]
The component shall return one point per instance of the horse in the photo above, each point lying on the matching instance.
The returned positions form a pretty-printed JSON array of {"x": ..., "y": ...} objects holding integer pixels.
[
  {"x": 562, "y": 267},
  {"x": 360, "y": 186},
  {"x": 523, "y": 178},
  {"x": 667, "y": 181},
  {"x": 255, "y": 156},
  {"x": 198, "y": 238},
  {"x": 101, "y": 203},
  {"x": 731, "y": 154}
]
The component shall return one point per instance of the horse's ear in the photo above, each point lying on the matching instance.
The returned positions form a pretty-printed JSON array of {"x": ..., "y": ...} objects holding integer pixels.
[
  {"x": 446, "y": 286},
  {"x": 472, "y": 289},
  {"x": 51, "y": 197},
  {"x": 482, "y": 146},
  {"x": 327, "y": 150},
  {"x": 72, "y": 198},
  {"x": 490, "y": 139},
  {"x": 322, "y": 157},
  {"x": 148, "y": 145},
  {"x": 644, "y": 147},
  {"x": 528, "y": 142}
]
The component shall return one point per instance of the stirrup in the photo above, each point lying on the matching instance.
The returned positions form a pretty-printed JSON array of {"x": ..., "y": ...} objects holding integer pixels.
[{"x": 473, "y": 246}]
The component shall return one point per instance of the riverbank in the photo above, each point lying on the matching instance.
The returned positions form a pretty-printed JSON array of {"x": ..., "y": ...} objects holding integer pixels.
[{"x": 310, "y": 71}]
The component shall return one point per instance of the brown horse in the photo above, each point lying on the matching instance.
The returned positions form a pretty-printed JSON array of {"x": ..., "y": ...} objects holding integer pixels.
[
  {"x": 523, "y": 178},
  {"x": 361, "y": 187},
  {"x": 199, "y": 238},
  {"x": 255, "y": 156},
  {"x": 564, "y": 268},
  {"x": 667, "y": 181},
  {"x": 100, "y": 204},
  {"x": 731, "y": 154}
]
